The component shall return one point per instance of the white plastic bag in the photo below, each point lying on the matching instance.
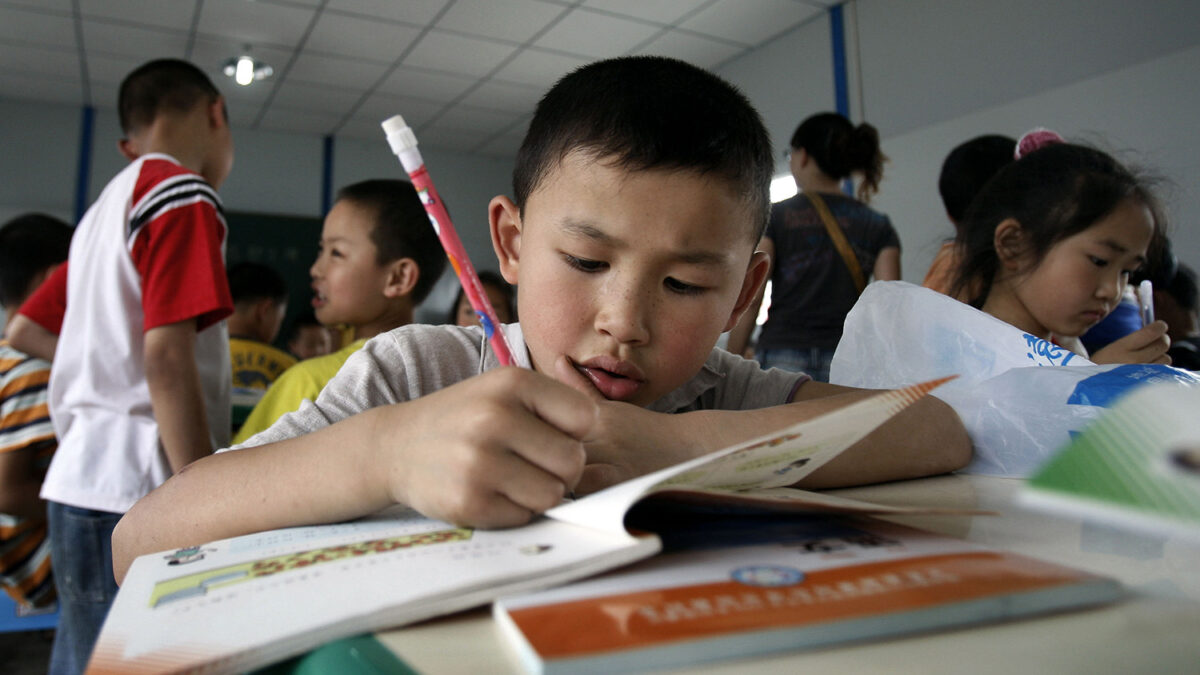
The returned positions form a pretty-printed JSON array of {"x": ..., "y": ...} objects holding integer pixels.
[{"x": 1019, "y": 397}]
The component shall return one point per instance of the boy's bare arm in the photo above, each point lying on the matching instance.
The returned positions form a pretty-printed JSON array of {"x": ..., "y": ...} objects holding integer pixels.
[
  {"x": 20, "y": 482},
  {"x": 176, "y": 394},
  {"x": 27, "y": 336},
  {"x": 489, "y": 452},
  {"x": 927, "y": 438}
]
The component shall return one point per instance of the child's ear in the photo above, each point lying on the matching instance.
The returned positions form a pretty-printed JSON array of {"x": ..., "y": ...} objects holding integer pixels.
[
  {"x": 1009, "y": 240},
  {"x": 128, "y": 149},
  {"x": 504, "y": 218},
  {"x": 402, "y": 278},
  {"x": 756, "y": 276}
]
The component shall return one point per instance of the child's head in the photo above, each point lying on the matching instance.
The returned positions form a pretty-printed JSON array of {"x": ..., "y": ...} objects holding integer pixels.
[
  {"x": 840, "y": 149},
  {"x": 499, "y": 293},
  {"x": 1052, "y": 238},
  {"x": 968, "y": 168},
  {"x": 31, "y": 246},
  {"x": 308, "y": 337},
  {"x": 260, "y": 297},
  {"x": 176, "y": 89},
  {"x": 641, "y": 191},
  {"x": 1176, "y": 303},
  {"x": 378, "y": 258}
]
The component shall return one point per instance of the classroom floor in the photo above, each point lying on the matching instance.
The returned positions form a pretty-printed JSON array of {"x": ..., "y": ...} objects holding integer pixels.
[{"x": 25, "y": 652}]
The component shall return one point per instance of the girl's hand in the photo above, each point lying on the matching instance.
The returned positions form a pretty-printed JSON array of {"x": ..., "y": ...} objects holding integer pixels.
[{"x": 1148, "y": 345}]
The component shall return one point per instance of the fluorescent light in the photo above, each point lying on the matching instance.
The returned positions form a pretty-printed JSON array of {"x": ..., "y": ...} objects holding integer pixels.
[{"x": 245, "y": 70}]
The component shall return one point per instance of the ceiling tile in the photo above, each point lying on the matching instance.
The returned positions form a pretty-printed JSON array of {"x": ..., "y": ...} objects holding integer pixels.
[
  {"x": 694, "y": 49},
  {"x": 110, "y": 39},
  {"x": 425, "y": 85},
  {"x": 516, "y": 20},
  {"x": 463, "y": 140},
  {"x": 503, "y": 146},
  {"x": 488, "y": 122},
  {"x": 539, "y": 69},
  {"x": 443, "y": 51},
  {"x": 175, "y": 15},
  {"x": 255, "y": 23},
  {"x": 379, "y": 107},
  {"x": 659, "y": 11},
  {"x": 42, "y": 62},
  {"x": 297, "y": 120},
  {"x": 318, "y": 98},
  {"x": 27, "y": 27},
  {"x": 503, "y": 96},
  {"x": 52, "y": 6},
  {"x": 373, "y": 40},
  {"x": 749, "y": 22},
  {"x": 595, "y": 35},
  {"x": 316, "y": 69},
  {"x": 419, "y": 12}
]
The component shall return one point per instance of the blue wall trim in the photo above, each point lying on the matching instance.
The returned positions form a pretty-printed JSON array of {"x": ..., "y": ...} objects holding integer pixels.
[
  {"x": 327, "y": 176},
  {"x": 86, "y": 132},
  {"x": 841, "y": 82}
]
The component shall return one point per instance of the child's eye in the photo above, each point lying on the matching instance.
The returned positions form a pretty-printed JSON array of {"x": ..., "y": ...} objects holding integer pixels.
[
  {"x": 583, "y": 264},
  {"x": 1098, "y": 262},
  {"x": 680, "y": 287}
]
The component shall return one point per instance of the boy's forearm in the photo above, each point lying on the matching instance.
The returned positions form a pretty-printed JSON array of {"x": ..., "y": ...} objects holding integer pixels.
[
  {"x": 925, "y": 439},
  {"x": 176, "y": 394},
  {"x": 321, "y": 477}
]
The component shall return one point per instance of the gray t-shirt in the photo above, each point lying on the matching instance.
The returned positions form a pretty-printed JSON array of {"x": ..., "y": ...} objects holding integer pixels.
[{"x": 419, "y": 359}]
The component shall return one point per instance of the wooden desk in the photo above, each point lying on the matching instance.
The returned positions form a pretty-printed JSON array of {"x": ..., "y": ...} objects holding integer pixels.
[{"x": 1155, "y": 630}]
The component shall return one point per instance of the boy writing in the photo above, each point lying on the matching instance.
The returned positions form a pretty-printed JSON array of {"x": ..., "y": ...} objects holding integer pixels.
[
  {"x": 31, "y": 246},
  {"x": 378, "y": 259},
  {"x": 140, "y": 386},
  {"x": 640, "y": 192}
]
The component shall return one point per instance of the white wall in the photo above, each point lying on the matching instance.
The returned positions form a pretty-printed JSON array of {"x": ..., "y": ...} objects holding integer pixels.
[{"x": 1120, "y": 75}]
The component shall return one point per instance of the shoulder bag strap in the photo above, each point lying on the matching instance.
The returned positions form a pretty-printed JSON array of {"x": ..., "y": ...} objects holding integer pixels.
[{"x": 839, "y": 241}]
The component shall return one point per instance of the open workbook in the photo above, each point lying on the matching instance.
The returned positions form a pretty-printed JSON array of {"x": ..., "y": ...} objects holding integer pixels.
[{"x": 240, "y": 603}]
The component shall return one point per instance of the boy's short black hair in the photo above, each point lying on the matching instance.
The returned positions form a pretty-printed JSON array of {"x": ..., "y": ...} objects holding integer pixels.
[
  {"x": 1182, "y": 287},
  {"x": 968, "y": 168},
  {"x": 402, "y": 228},
  {"x": 650, "y": 112},
  {"x": 29, "y": 244},
  {"x": 159, "y": 86},
  {"x": 251, "y": 282}
]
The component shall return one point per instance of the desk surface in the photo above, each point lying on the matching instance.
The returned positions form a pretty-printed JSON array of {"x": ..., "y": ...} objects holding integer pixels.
[{"x": 1156, "y": 629}]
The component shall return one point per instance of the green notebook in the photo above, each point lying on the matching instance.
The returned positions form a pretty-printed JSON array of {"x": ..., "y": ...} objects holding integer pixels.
[{"x": 1137, "y": 466}]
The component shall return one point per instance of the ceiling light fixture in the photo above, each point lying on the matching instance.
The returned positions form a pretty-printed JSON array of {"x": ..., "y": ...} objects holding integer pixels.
[{"x": 245, "y": 70}]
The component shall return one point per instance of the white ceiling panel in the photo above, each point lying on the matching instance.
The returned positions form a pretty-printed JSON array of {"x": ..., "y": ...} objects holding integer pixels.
[
  {"x": 595, "y": 35},
  {"x": 659, "y": 11},
  {"x": 374, "y": 39},
  {"x": 176, "y": 15},
  {"x": 467, "y": 74},
  {"x": 515, "y": 20},
  {"x": 449, "y": 52},
  {"x": 749, "y": 22}
]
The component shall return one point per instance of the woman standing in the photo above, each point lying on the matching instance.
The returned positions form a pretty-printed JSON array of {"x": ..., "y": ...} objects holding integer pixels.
[{"x": 824, "y": 247}]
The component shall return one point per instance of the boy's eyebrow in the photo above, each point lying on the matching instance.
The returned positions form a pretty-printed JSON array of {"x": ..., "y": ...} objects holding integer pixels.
[{"x": 587, "y": 231}]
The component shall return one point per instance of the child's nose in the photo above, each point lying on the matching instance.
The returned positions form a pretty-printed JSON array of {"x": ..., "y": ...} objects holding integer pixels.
[{"x": 624, "y": 314}]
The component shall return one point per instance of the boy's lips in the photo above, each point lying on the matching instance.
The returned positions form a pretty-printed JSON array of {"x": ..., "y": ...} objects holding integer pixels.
[{"x": 616, "y": 380}]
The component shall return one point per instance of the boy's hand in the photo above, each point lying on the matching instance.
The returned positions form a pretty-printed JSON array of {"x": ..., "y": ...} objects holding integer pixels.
[
  {"x": 1148, "y": 345},
  {"x": 627, "y": 441},
  {"x": 492, "y": 451}
]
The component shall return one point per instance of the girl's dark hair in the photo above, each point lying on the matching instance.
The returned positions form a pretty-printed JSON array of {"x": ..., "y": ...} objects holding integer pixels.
[
  {"x": 651, "y": 112},
  {"x": 1054, "y": 192},
  {"x": 487, "y": 278},
  {"x": 402, "y": 228},
  {"x": 839, "y": 148}
]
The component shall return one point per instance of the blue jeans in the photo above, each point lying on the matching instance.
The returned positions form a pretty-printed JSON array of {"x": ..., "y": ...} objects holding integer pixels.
[
  {"x": 81, "y": 553},
  {"x": 812, "y": 360}
]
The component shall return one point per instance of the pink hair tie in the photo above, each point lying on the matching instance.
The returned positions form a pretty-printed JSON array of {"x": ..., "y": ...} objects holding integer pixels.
[{"x": 1034, "y": 139}]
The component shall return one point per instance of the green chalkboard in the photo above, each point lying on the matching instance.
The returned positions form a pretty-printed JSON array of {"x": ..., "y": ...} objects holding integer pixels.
[{"x": 286, "y": 243}]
